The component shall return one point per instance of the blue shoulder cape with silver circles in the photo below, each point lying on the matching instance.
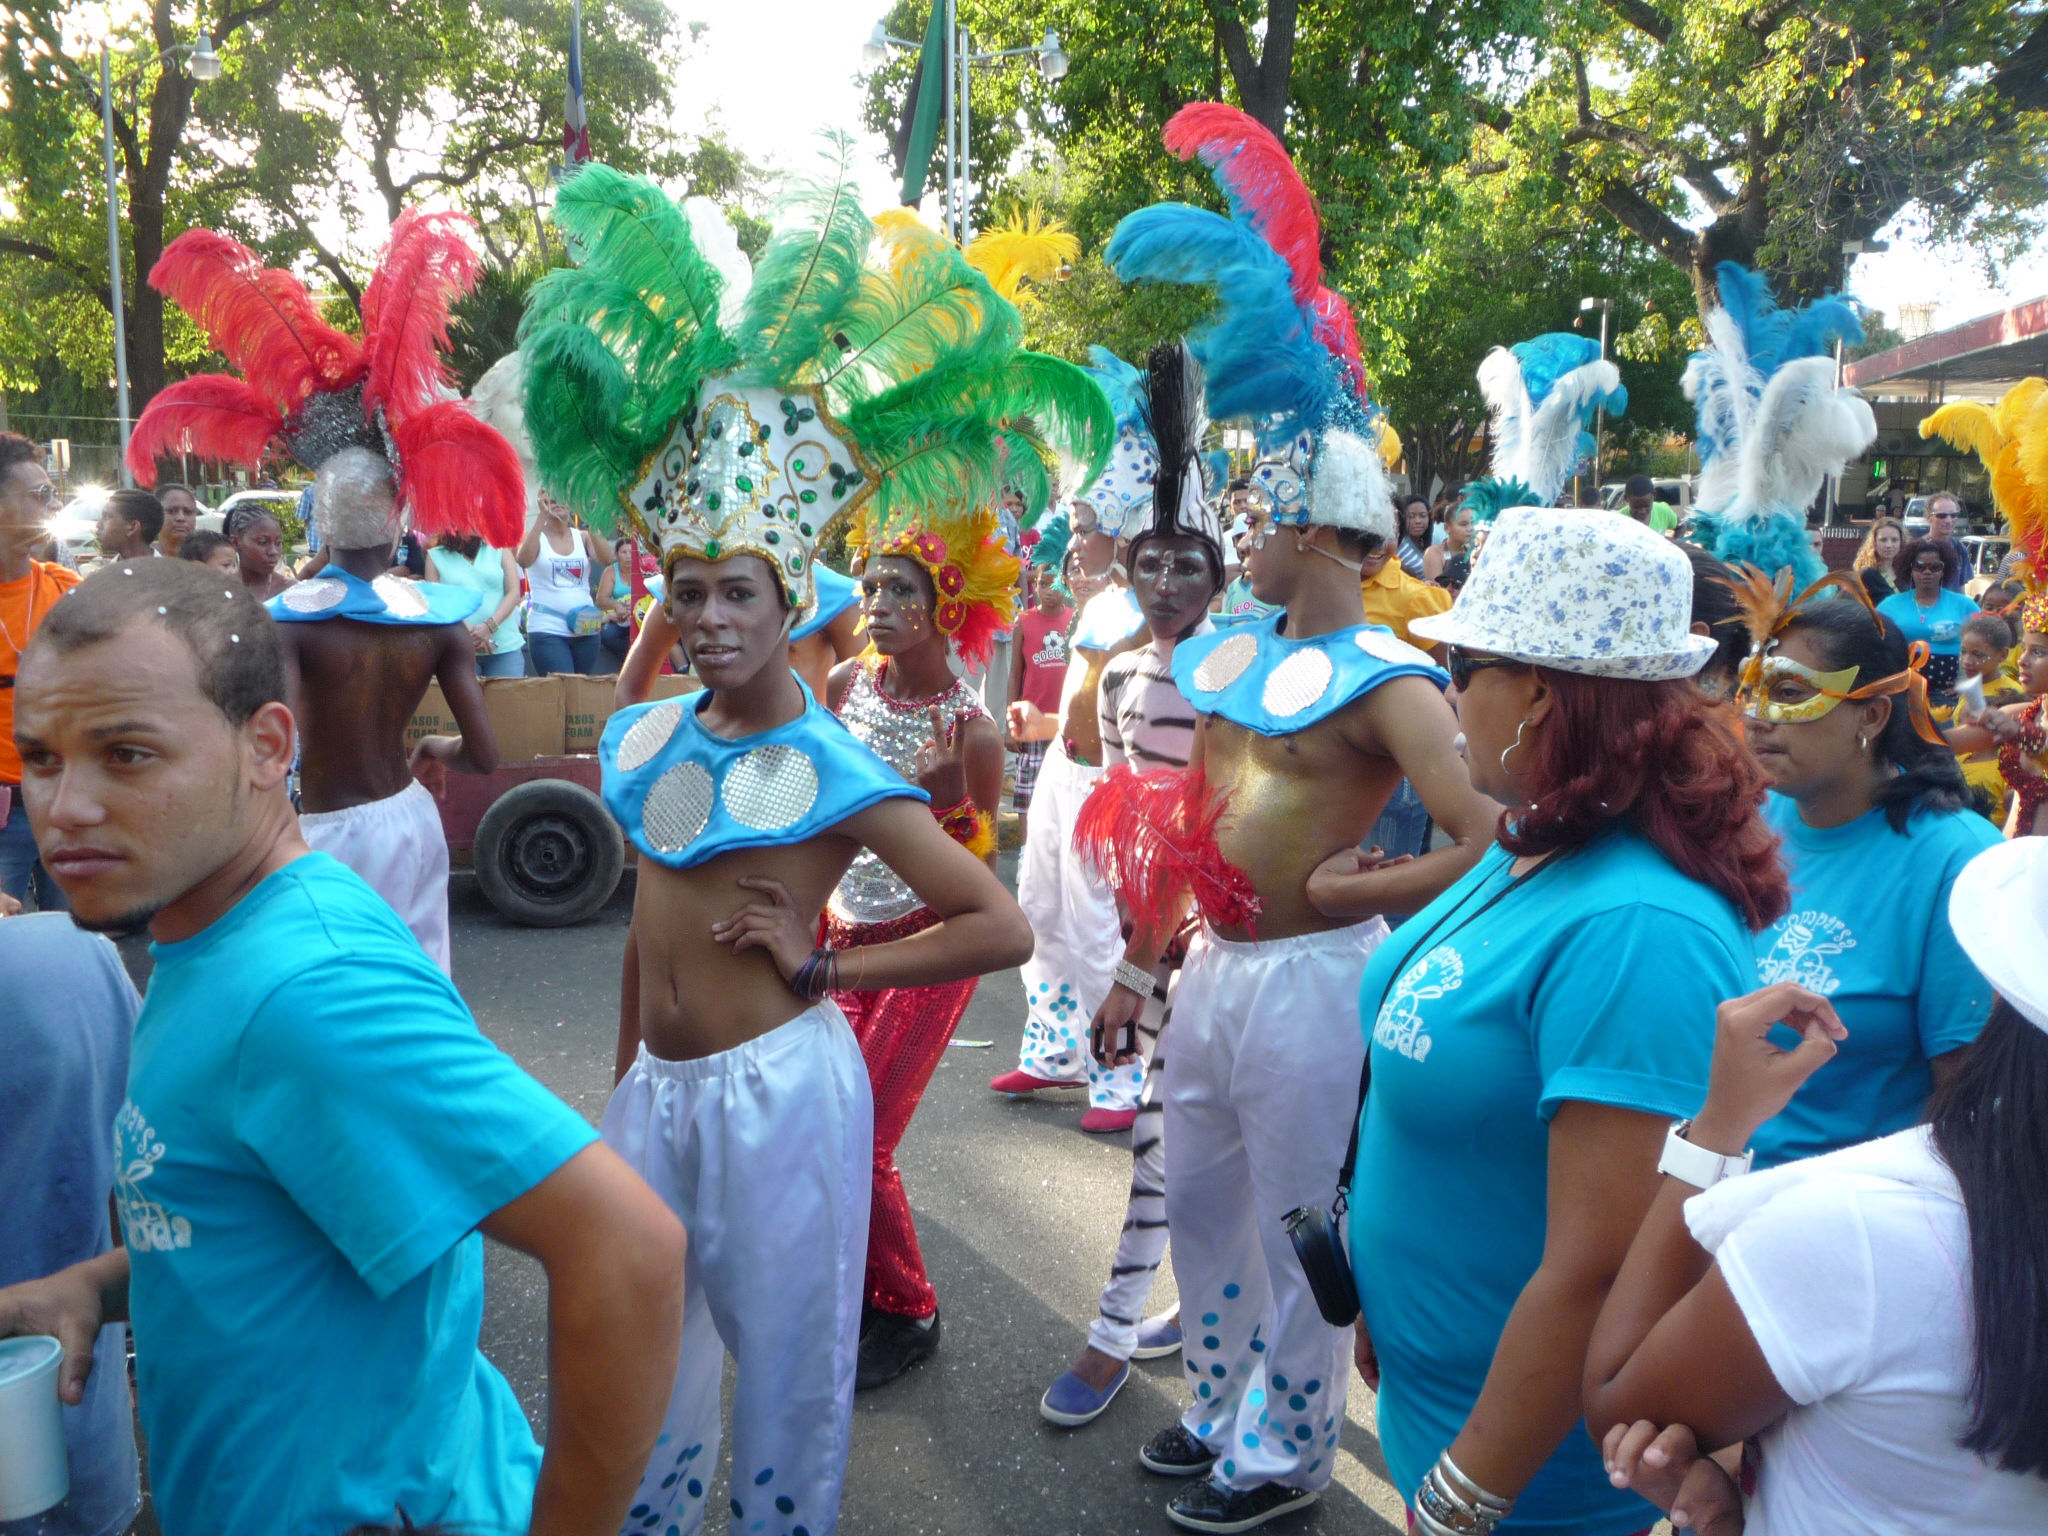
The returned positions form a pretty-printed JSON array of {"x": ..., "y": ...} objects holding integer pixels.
[
  {"x": 684, "y": 796},
  {"x": 335, "y": 594},
  {"x": 1254, "y": 676}
]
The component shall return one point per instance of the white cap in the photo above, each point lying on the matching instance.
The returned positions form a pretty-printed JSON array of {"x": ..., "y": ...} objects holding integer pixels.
[{"x": 1998, "y": 908}]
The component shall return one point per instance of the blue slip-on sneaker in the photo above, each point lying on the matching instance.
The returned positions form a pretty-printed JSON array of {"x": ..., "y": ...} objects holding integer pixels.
[
  {"x": 1070, "y": 1402},
  {"x": 1158, "y": 1337}
]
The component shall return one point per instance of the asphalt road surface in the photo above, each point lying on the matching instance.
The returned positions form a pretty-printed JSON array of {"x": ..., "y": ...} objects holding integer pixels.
[{"x": 1018, "y": 1212}]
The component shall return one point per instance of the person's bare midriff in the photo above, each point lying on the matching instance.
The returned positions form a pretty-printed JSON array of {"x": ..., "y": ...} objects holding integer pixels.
[
  {"x": 1294, "y": 801},
  {"x": 1080, "y": 725},
  {"x": 697, "y": 997}
]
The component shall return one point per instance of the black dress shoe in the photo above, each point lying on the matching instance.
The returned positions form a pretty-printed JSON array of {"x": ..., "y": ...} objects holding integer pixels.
[
  {"x": 1176, "y": 1453},
  {"x": 891, "y": 1346},
  {"x": 1209, "y": 1506}
]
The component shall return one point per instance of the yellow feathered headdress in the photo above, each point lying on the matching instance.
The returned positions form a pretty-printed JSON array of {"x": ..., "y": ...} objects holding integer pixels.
[
  {"x": 974, "y": 577},
  {"x": 1029, "y": 248},
  {"x": 2011, "y": 437}
]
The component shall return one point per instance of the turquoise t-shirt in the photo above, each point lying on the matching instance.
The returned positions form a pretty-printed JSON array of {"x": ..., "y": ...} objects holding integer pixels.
[
  {"x": 1940, "y": 625},
  {"x": 1595, "y": 979},
  {"x": 1869, "y": 930},
  {"x": 314, "y": 1128}
]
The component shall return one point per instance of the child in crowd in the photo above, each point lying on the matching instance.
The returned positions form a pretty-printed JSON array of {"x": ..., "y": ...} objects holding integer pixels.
[
  {"x": 2017, "y": 732},
  {"x": 210, "y": 548},
  {"x": 1038, "y": 665},
  {"x": 1987, "y": 643}
]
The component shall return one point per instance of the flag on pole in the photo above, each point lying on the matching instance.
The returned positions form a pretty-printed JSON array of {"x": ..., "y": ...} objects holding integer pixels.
[
  {"x": 918, "y": 133},
  {"x": 575, "y": 129}
]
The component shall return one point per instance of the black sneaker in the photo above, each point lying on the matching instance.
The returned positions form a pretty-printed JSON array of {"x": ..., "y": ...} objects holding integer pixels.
[
  {"x": 891, "y": 1346},
  {"x": 1176, "y": 1453},
  {"x": 1209, "y": 1506}
]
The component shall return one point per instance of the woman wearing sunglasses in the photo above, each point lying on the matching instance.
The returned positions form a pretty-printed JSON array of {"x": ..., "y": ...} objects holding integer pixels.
[
  {"x": 1877, "y": 824},
  {"x": 1925, "y": 608},
  {"x": 1534, "y": 1031}
]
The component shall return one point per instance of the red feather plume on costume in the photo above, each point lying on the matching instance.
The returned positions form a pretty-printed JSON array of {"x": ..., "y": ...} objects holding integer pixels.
[
  {"x": 1152, "y": 837},
  {"x": 1258, "y": 176},
  {"x": 1267, "y": 193},
  {"x": 261, "y": 318},
  {"x": 428, "y": 263},
  {"x": 460, "y": 476},
  {"x": 210, "y": 416}
]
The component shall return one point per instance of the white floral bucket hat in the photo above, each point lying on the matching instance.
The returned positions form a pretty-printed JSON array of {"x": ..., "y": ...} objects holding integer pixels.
[{"x": 1578, "y": 590}]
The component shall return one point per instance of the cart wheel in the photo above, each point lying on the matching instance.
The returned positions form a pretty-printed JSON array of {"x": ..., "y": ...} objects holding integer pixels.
[{"x": 548, "y": 853}]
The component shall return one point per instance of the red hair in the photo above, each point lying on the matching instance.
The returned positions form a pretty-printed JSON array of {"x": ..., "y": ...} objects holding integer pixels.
[{"x": 1668, "y": 760}]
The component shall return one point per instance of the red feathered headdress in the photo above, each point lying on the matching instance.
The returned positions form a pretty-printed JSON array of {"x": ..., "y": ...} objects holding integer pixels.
[
  {"x": 321, "y": 390},
  {"x": 1267, "y": 192}
]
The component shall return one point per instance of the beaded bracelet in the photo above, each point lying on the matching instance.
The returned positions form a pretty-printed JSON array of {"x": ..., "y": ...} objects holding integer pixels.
[{"x": 1136, "y": 978}]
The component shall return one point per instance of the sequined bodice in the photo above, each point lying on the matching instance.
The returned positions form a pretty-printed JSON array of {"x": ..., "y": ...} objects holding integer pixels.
[{"x": 893, "y": 729}]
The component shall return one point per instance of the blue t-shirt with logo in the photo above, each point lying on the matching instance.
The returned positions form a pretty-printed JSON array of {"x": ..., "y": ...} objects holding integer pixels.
[
  {"x": 1594, "y": 978},
  {"x": 1869, "y": 931},
  {"x": 1940, "y": 625},
  {"x": 313, "y": 1130}
]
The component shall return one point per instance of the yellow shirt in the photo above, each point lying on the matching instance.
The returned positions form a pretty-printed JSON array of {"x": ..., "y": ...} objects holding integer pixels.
[{"x": 1394, "y": 598}]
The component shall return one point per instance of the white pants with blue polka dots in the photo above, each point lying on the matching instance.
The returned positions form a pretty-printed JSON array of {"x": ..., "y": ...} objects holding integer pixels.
[
  {"x": 1077, "y": 939},
  {"x": 765, "y": 1152},
  {"x": 1259, "y": 1104}
]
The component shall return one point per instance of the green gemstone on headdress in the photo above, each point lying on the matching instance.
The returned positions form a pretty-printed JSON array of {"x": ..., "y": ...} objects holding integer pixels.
[
  {"x": 711, "y": 501},
  {"x": 806, "y": 497},
  {"x": 763, "y": 434},
  {"x": 745, "y": 449},
  {"x": 711, "y": 549},
  {"x": 743, "y": 483},
  {"x": 806, "y": 528},
  {"x": 797, "y": 465},
  {"x": 774, "y": 537}
]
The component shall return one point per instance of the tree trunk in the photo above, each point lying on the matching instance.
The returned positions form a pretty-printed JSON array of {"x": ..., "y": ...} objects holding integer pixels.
[{"x": 145, "y": 304}]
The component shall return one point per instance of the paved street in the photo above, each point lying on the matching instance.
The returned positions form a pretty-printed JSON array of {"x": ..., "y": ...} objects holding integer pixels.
[{"x": 1018, "y": 1212}]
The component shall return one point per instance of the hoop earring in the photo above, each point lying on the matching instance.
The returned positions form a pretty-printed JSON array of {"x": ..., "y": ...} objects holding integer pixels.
[
  {"x": 1514, "y": 746},
  {"x": 1862, "y": 743}
]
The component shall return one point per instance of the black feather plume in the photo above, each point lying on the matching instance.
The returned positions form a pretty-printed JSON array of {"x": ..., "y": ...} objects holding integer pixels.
[{"x": 1173, "y": 389}]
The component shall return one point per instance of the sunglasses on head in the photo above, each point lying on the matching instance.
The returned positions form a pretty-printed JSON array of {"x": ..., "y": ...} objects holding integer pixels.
[{"x": 1462, "y": 665}]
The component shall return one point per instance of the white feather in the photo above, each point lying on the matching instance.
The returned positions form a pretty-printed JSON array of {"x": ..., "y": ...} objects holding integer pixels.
[
  {"x": 1500, "y": 381},
  {"x": 1723, "y": 386},
  {"x": 499, "y": 400},
  {"x": 1803, "y": 429},
  {"x": 1348, "y": 488},
  {"x": 719, "y": 245},
  {"x": 1551, "y": 445}
]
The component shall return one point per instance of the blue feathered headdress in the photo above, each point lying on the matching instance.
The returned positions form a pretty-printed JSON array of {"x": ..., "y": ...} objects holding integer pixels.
[
  {"x": 1280, "y": 350},
  {"x": 1773, "y": 425}
]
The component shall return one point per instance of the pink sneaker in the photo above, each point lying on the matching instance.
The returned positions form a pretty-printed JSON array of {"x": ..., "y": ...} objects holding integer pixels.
[
  {"x": 1021, "y": 1081},
  {"x": 1103, "y": 1122}
]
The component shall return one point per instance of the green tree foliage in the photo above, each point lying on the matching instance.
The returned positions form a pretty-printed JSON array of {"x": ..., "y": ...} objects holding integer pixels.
[
  {"x": 329, "y": 115},
  {"x": 1770, "y": 131}
]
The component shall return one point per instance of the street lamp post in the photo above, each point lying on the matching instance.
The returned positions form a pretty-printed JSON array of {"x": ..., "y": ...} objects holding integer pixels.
[
  {"x": 205, "y": 66},
  {"x": 1606, "y": 307},
  {"x": 1053, "y": 61}
]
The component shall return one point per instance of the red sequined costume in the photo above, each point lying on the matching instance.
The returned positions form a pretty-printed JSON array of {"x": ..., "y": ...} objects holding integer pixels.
[{"x": 903, "y": 1030}]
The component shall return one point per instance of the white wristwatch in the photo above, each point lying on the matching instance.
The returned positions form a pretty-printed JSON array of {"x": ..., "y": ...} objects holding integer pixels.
[{"x": 1695, "y": 1165}]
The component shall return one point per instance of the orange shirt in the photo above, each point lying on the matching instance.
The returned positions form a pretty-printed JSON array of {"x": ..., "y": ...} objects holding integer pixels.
[
  {"x": 1393, "y": 598},
  {"x": 23, "y": 605}
]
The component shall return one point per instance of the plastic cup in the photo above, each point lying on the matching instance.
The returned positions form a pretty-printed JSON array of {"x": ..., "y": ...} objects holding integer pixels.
[{"x": 35, "y": 1473}]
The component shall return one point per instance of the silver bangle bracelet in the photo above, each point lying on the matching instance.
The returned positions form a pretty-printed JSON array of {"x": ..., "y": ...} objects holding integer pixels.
[
  {"x": 1135, "y": 978},
  {"x": 1486, "y": 1503}
]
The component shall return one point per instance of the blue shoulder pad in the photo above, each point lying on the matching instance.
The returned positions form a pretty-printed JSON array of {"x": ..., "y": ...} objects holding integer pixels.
[
  {"x": 336, "y": 594},
  {"x": 1253, "y": 676},
  {"x": 684, "y": 796},
  {"x": 836, "y": 594}
]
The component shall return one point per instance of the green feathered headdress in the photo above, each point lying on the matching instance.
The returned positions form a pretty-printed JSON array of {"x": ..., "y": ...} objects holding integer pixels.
[{"x": 867, "y": 366}]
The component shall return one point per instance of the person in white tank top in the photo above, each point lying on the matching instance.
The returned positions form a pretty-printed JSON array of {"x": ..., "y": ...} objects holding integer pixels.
[{"x": 564, "y": 566}]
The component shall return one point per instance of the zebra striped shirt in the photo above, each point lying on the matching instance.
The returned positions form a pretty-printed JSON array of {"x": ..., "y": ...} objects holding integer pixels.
[{"x": 1146, "y": 720}]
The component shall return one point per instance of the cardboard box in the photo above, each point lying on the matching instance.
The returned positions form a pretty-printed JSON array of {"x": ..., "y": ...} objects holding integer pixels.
[
  {"x": 586, "y": 706},
  {"x": 432, "y": 717},
  {"x": 526, "y": 716}
]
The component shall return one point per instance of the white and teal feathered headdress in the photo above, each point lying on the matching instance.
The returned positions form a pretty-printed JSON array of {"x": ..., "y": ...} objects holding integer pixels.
[
  {"x": 1541, "y": 394},
  {"x": 1773, "y": 425}
]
